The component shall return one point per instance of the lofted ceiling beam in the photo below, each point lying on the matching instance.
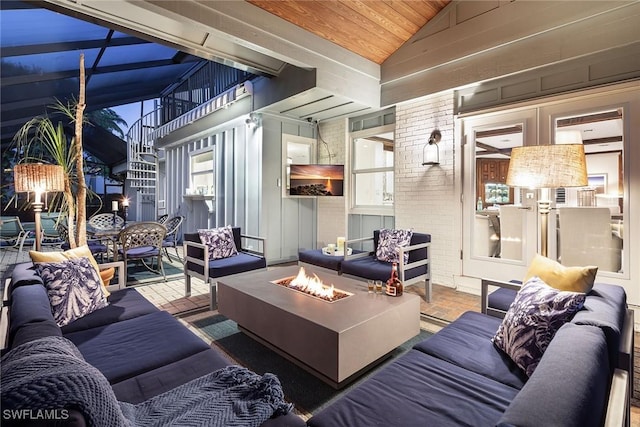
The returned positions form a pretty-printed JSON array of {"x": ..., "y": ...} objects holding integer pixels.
[
  {"x": 35, "y": 49},
  {"x": 33, "y": 78}
]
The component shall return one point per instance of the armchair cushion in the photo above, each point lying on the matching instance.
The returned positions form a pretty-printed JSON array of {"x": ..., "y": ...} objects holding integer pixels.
[
  {"x": 532, "y": 321},
  {"x": 141, "y": 252},
  {"x": 220, "y": 242},
  {"x": 74, "y": 289},
  {"x": 389, "y": 243},
  {"x": 236, "y": 264},
  {"x": 574, "y": 279}
]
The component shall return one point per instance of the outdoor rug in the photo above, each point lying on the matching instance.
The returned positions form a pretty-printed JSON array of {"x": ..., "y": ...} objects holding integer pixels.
[
  {"x": 308, "y": 393},
  {"x": 138, "y": 274}
]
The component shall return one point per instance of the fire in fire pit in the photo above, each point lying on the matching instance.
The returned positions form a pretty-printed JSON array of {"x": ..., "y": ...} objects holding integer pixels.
[{"x": 312, "y": 286}]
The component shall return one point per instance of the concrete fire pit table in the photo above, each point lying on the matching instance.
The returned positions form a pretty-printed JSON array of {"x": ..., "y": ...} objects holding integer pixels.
[{"x": 335, "y": 341}]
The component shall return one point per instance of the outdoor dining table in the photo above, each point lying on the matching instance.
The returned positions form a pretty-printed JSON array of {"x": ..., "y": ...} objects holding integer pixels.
[{"x": 108, "y": 235}]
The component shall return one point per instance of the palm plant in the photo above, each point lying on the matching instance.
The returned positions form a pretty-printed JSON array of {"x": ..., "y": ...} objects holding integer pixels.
[{"x": 42, "y": 140}]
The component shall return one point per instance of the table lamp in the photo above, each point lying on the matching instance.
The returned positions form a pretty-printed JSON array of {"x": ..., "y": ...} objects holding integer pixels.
[
  {"x": 39, "y": 178},
  {"x": 547, "y": 167}
]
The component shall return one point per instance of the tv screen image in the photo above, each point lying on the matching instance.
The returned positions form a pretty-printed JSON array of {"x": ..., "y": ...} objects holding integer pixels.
[{"x": 316, "y": 180}]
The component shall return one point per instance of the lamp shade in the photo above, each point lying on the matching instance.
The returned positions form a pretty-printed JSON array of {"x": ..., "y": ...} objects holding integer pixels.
[
  {"x": 547, "y": 166},
  {"x": 38, "y": 177}
]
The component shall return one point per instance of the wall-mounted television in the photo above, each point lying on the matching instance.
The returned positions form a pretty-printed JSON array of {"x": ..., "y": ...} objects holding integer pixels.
[{"x": 316, "y": 180}]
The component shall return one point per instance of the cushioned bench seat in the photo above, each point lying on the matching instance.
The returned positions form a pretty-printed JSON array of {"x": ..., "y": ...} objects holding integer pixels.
[
  {"x": 371, "y": 268},
  {"x": 419, "y": 390},
  {"x": 123, "y": 304},
  {"x": 110, "y": 347},
  {"x": 152, "y": 383},
  {"x": 467, "y": 342},
  {"x": 236, "y": 264},
  {"x": 501, "y": 299},
  {"x": 318, "y": 258}
]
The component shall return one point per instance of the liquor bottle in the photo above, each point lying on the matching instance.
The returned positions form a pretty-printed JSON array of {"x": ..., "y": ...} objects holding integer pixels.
[
  {"x": 479, "y": 204},
  {"x": 394, "y": 285}
]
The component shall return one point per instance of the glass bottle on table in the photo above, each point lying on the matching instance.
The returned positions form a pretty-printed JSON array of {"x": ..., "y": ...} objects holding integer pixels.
[{"x": 394, "y": 285}]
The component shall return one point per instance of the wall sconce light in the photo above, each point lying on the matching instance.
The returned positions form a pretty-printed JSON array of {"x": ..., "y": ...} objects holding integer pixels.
[
  {"x": 253, "y": 120},
  {"x": 39, "y": 178},
  {"x": 431, "y": 151}
]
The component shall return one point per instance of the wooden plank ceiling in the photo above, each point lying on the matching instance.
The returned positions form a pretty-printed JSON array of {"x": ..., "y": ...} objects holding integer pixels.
[{"x": 373, "y": 29}]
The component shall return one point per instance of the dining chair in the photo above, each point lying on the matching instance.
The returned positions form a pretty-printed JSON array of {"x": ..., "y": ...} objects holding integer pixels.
[
  {"x": 587, "y": 238},
  {"x": 142, "y": 241},
  {"x": 97, "y": 248},
  {"x": 105, "y": 221},
  {"x": 171, "y": 239},
  {"x": 162, "y": 218}
]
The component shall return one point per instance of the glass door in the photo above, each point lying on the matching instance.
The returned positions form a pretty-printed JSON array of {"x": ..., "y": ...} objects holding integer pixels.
[
  {"x": 500, "y": 234},
  {"x": 590, "y": 220}
]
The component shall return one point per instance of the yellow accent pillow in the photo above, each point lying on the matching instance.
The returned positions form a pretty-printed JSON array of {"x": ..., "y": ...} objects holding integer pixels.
[
  {"x": 79, "y": 252},
  {"x": 556, "y": 275}
]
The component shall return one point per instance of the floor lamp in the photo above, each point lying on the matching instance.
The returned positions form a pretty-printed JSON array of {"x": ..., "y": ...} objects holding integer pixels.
[
  {"x": 547, "y": 167},
  {"x": 38, "y": 178}
]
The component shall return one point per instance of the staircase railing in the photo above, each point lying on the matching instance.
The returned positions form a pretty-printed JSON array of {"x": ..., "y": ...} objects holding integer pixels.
[{"x": 141, "y": 156}]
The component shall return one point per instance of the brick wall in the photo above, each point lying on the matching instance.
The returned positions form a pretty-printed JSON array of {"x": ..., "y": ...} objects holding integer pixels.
[
  {"x": 425, "y": 196},
  {"x": 332, "y": 220}
]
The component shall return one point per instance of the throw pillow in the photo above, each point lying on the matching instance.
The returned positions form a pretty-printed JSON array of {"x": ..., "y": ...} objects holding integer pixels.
[
  {"x": 74, "y": 288},
  {"x": 219, "y": 242},
  {"x": 390, "y": 242},
  {"x": 533, "y": 319},
  {"x": 79, "y": 252},
  {"x": 573, "y": 279}
]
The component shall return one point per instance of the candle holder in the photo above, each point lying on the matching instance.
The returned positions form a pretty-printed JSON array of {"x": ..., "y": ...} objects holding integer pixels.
[{"x": 125, "y": 209}]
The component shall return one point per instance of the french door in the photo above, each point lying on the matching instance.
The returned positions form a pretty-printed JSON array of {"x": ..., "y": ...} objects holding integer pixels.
[
  {"x": 588, "y": 225},
  {"x": 499, "y": 222}
]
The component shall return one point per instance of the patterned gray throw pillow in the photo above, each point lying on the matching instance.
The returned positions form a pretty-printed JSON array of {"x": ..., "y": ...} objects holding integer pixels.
[
  {"x": 74, "y": 288},
  {"x": 533, "y": 319},
  {"x": 389, "y": 243},
  {"x": 219, "y": 241}
]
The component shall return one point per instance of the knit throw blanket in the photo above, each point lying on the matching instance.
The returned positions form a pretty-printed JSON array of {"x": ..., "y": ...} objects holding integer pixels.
[{"x": 50, "y": 373}]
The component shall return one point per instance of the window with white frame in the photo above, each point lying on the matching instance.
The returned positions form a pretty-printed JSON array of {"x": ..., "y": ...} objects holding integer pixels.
[{"x": 372, "y": 171}]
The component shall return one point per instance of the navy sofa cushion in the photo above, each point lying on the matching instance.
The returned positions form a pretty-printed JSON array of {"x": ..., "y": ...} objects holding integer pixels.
[
  {"x": 605, "y": 307},
  {"x": 235, "y": 264},
  {"x": 419, "y": 390},
  {"x": 122, "y": 350},
  {"x": 148, "y": 384},
  {"x": 29, "y": 303},
  {"x": 25, "y": 274},
  {"x": 371, "y": 268},
  {"x": 579, "y": 354},
  {"x": 501, "y": 299},
  {"x": 123, "y": 304},
  {"x": 316, "y": 257},
  {"x": 467, "y": 343},
  {"x": 34, "y": 330}
]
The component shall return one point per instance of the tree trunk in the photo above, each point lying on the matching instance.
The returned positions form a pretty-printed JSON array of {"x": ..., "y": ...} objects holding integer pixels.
[
  {"x": 71, "y": 214},
  {"x": 81, "y": 196}
]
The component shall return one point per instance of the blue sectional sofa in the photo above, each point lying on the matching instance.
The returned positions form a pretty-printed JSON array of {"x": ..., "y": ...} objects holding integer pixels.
[
  {"x": 141, "y": 351},
  {"x": 458, "y": 377}
]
